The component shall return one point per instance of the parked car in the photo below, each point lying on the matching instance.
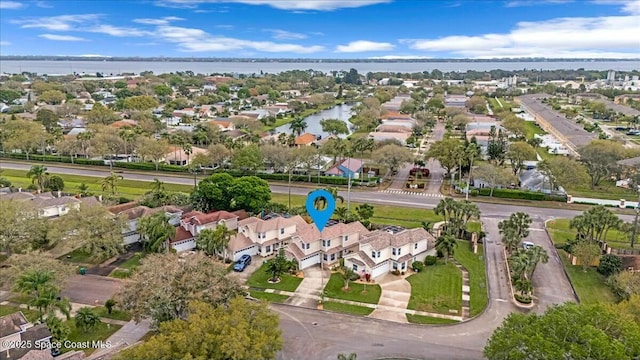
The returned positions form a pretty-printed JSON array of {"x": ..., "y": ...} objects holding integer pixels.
[
  {"x": 527, "y": 245},
  {"x": 242, "y": 263}
]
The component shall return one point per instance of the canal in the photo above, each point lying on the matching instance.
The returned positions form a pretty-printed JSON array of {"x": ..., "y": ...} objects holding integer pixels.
[{"x": 340, "y": 112}]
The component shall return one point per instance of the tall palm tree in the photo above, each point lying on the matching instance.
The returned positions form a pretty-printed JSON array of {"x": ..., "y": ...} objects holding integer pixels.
[
  {"x": 110, "y": 183},
  {"x": 341, "y": 213},
  {"x": 31, "y": 282},
  {"x": 537, "y": 255},
  {"x": 214, "y": 241},
  {"x": 85, "y": 140},
  {"x": 188, "y": 149},
  {"x": 363, "y": 145},
  {"x": 86, "y": 319},
  {"x": 49, "y": 300},
  {"x": 520, "y": 264},
  {"x": 39, "y": 175},
  {"x": 298, "y": 126},
  {"x": 154, "y": 231},
  {"x": 127, "y": 135},
  {"x": 446, "y": 244},
  {"x": 322, "y": 202}
]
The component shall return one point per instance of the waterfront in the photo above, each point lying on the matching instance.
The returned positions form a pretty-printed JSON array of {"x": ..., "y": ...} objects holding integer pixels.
[
  {"x": 340, "y": 112},
  {"x": 117, "y": 67}
]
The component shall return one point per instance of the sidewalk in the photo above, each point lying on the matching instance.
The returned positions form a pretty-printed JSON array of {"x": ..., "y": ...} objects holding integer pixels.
[
  {"x": 129, "y": 334},
  {"x": 372, "y": 306}
]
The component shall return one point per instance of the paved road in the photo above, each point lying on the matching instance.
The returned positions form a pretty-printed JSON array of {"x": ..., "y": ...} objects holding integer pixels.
[
  {"x": 436, "y": 172},
  {"x": 86, "y": 289}
]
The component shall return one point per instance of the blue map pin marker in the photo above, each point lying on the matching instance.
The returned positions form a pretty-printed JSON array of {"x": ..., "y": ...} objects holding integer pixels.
[{"x": 320, "y": 217}]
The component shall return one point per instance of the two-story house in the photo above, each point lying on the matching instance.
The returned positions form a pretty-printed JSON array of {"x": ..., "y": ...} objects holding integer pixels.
[
  {"x": 193, "y": 222},
  {"x": 382, "y": 251},
  {"x": 263, "y": 237},
  {"x": 135, "y": 213},
  {"x": 309, "y": 247},
  {"x": 14, "y": 328},
  {"x": 49, "y": 205}
]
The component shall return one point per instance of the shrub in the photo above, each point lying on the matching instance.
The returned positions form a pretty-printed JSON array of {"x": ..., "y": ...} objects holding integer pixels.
[
  {"x": 396, "y": 272},
  {"x": 521, "y": 195},
  {"x": 524, "y": 299},
  {"x": 4, "y": 182},
  {"x": 474, "y": 192},
  {"x": 417, "y": 266},
  {"x": 430, "y": 260},
  {"x": 610, "y": 264},
  {"x": 56, "y": 183}
]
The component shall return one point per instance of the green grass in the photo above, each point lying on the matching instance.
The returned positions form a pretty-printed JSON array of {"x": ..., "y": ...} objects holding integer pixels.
[
  {"x": 116, "y": 314},
  {"x": 20, "y": 299},
  {"x": 270, "y": 297},
  {"x": 421, "y": 319},
  {"x": 561, "y": 233},
  {"x": 474, "y": 226},
  {"x": 347, "y": 308},
  {"x": 259, "y": 279},
  {"x": 30, "y": 314},
  {"x": 334, "y": 286},
  {"x": 474, "y": 263},
  {"x": 132, "y": 262},
  {"x": 606, "y": 190},
  {"x": 102, "y": 331},
  {"x": 532, "y": 129},
  {"x": 436, "y": 289},
  {"x": 120, "y": 273},
  {"x": 81, "y": 257},
  {"x": 590, "y": 285}
]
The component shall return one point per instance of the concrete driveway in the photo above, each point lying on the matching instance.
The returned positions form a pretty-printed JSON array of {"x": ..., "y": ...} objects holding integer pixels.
[
  {"x": 395, "y": 295},
  {"x": 243, "y": 276},
  {"x": 311, "y": 285},
  {"x": 87, "y": 289}
]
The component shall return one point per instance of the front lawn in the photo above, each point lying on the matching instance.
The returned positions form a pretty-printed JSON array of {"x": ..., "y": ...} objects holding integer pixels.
[
  {"x": 606, "y": 190},
  {"x": 589, "y": 285},
  {"x": 133, "y": 262},
  {"x": 259, "y": 279},
  {"x": 474, "y": 263},
  {"x": 116, "y": 314},
  {"x": 102, "y": 331},
  {"x": 31, "y": 315},
  {"x": 437, "y": 289},
  {"x": 347, "y": 308},
  {"x": 270, "y": 297},
  {"x": 420, "y": 319},
  {"x": 120, "y": 273},
  {"x": 334, "y": 286},
  {"x": 81, "y": 257},
  {"x": 474, "y": 227},
  {"x": 561, "y": 233}
]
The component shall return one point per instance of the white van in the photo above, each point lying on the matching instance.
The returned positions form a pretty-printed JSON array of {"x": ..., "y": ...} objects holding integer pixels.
[{"x": 527, "y": 245}]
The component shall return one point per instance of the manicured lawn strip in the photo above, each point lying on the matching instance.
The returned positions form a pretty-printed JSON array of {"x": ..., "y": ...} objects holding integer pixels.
[
  {"x": 120, "y": 274},
  {"x": 477, "y": 275},
  {"x": 334, "y": 286},
  {"x": 270, "y": 297},
  {"x": 116, "y": 314},
  {"x": 561, "y": 233},
  {"x": 20, "y": 299},
  {"x": 420, "y": 319},
  {"x": 30, "y": 314},
  {"x": 132, "y": 262},
  {"x": 474, "y": 226},
  {"x": 102, "y": 331},
  {"x": 531, "y": 129},
  {"x": 347, "y": 308},
  {"x": 81, "y": 257},
  {"x": 606, "y": 190},
  {"x": 436, "y": 289},
  {"x": 259, "y": 279},
  {"x": 589, "y": 285}
]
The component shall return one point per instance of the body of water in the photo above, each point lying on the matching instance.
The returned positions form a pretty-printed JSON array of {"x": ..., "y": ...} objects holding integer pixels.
[
  {"x": 340, "y": 112},
  {"x": 112, "y": 68}
]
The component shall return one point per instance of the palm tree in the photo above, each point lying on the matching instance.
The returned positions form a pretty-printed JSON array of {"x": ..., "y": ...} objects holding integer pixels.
[
  {"x": 31, "y": 282},
  {"x": 537, "y": 255},
  {"x": 188, "y": 149},
  {"x": 446, "y": 244},
  {"x": 446, "y": 207},
  {"x": 127, "y": 135},
  {"x": 362, "y": 145},
  {"x": 155, "y": 230},
  {"x": 352, "y": 356},
  {"x": 322, "y": 202},
  {"x": 59, "y": 331},
  {"x": 49, "y": 300},
  {"x": 39, "y": 175},
  {"x": 278, "y": 266},
  {"x": 520, "y": 265},
  {"x": 347, "y": 274},
  {"x": 341, "y": 213},
  {"x": 298, "y": 126},
  {"x": 85, "y": 140},
  {"x": 214, "y": 241},
  {"x": 86, "y": 319},
  {"x": 110, "y": 183},
  {"x": 157, "y": 186}
]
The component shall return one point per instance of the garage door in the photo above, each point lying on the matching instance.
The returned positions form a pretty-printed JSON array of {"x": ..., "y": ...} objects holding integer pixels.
[
  {"x": 310, "y": 261},
  {"x": 253, "y": 250},
  {"x": 380, "y": 269}
]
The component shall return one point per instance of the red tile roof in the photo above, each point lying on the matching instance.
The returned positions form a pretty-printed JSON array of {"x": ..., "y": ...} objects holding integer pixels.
[
  {"x": 181, "y": 234},
  {"x": 200, "y": 218},
  {"x": 305, "y": 139}
]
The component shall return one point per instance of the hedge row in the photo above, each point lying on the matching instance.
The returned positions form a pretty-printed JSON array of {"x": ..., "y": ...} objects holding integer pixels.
[
  {"x": 519, "y": 194},
  {"x": 330, "y": 180}
]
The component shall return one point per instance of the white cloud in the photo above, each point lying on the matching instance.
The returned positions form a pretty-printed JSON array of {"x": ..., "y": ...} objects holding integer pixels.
[
  {"x": 606, "y": 37},
  {"x": 117, "y": 31},
  {"x": 61, "y": 37},
  {"x": 285, "y": 35},
  {"x": 364, "y": 45},
  {"x": 518, "y": 3},
  {"x": 227, "y": 27},
  {"x": 196, "y": 40},
  {"x": 321, "y": 5},
  {"x": 399, "y": 57},
  {"x": 163, "y": 21},
  {"x": 44, "y": 5},
  {"x": 4, "y": 43},
  {"x": 56, "y": 23},
  {"x": 13, "y": 5}
]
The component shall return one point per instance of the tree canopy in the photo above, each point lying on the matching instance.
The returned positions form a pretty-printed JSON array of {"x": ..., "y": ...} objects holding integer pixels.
[{"x": 223, "y": 192}]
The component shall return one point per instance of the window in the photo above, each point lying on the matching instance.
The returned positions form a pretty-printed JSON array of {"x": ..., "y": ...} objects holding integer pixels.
[
  {"x": 324, "y": 257},
  {"x": 281, "y": 230},
  {"x": 373, "y": 254},
  {"x": 393, "y": 251},
  {"x": 308, "y": 246},
  {"x": 326, "y": 243},
  {"x": 415, "y": 246},
  {"x": 268, "y": 248},
  {"x": 378, "y": 254},
  {"x": 404, "y": 265},
  {"x": 399, "y": 251},
  {"x": 333, "y": 257},
  {"x": 262, "y": 235},
  {"x": 395, "y": 266},
  {"x": 355, "y": 268},
  {"x": 346, "y": 238}
]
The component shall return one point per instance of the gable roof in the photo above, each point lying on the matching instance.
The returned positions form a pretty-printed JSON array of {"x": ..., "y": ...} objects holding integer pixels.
[
  {"x": 381, "y": 239},
  {"x": 259, "y": 225},
  {"x": 142, "y": 211},
  {"x": 305, "y": 139},
  {"x": 200, "y": 218},
  {"x": 239, "y": 242},
  {"x": 11, "y": 323},
  {"x": 309, "y": 232}
]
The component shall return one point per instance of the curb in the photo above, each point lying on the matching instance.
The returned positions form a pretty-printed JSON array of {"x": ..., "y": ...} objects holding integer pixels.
[
  {"x": 564, "y": 269},
  {"x": 513, "y": 297}
]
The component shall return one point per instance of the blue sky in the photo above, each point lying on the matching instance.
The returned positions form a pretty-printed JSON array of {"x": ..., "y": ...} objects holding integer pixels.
[{"x": 322, "y": 28}]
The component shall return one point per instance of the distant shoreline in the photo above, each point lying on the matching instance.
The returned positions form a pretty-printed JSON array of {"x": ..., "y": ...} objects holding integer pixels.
[{"x": 294, "y": 60}]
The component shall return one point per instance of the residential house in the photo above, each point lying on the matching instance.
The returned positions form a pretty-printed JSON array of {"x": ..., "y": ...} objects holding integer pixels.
[
  {"x": 224, "y": 126},
  {"x": 48, "y": 204},
  {"x": 309, "y": 247},
  {"x": 134, "y": 212},
  {"x": 124, "y": 123},
  {"x": 382, "y": 251},
  {"x": 255, "y": 114},
  {"x": 455, "y": 100},
  {"x": 383, "y": 135},
  {"x": 178, "y": 155},
  {"x": 348, "y": 167},
  {"x": 393, "y": 128},
  {"x": 305, "y": 139},
  {"x": 15, "y": 328},
  {"x": 263, "y": 237},
  {"x": 193, "y": 222}
]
